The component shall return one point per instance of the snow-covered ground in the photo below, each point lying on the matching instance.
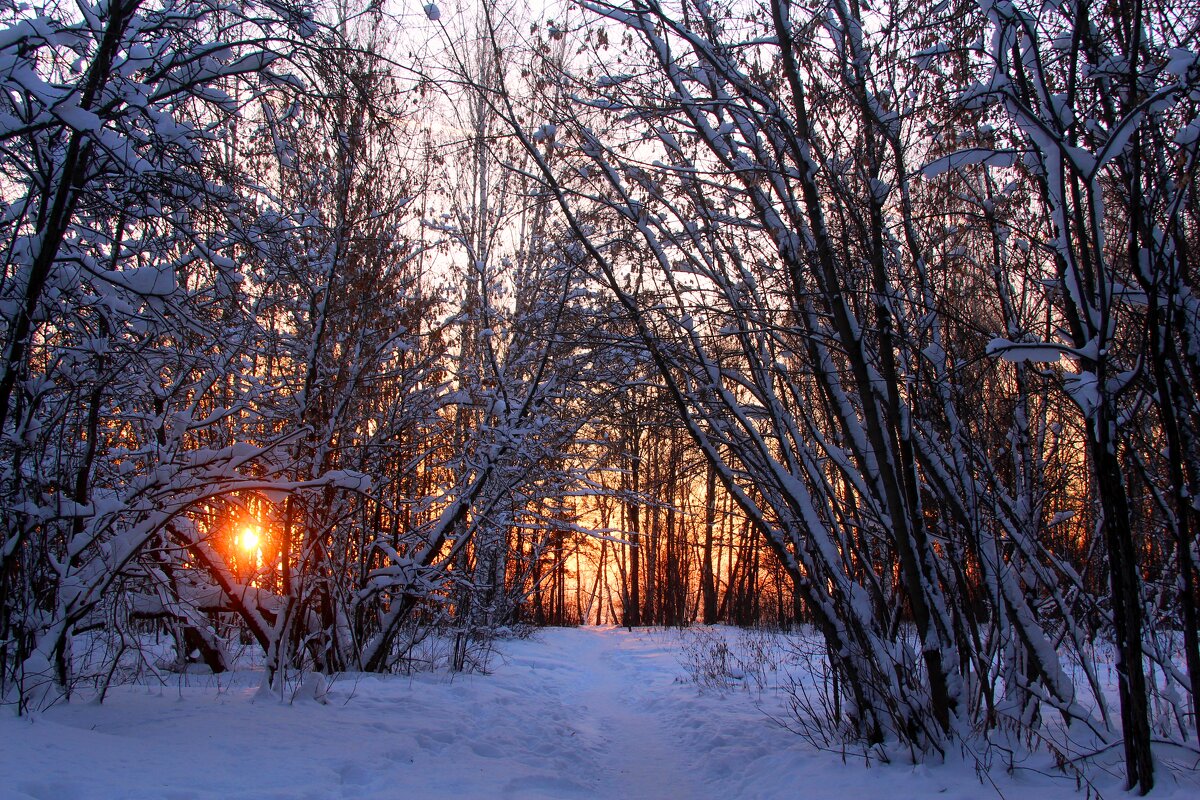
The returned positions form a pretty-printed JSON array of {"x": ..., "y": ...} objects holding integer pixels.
[{"x": 584, "y": 713}]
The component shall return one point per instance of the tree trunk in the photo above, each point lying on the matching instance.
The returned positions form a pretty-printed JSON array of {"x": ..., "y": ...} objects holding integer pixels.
[
  {"x": 708, "y": 586},
  {"x": 1126, "y": 604}
]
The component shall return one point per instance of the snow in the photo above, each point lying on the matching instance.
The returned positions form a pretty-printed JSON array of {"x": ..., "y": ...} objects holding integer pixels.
[
  {"x": 1018, "y": 352},
  {"x": 78, "y": 118},
  {"x": 567, "y": 713}
]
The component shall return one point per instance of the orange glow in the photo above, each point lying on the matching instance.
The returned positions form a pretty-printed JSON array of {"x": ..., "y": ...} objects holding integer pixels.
[{"x": 249, "y": 539}]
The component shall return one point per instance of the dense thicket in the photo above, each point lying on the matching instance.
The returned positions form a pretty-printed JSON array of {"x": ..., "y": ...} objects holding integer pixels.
[
  {"x": 878, "y": 317},
  {"x": 916, "y": 281},
  {"x": 239, "y": 382}
]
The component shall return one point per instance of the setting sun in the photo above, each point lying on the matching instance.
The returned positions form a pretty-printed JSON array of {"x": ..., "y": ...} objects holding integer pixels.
[{"x": 249, "y": 539}]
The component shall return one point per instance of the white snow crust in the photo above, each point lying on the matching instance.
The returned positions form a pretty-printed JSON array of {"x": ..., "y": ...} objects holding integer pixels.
[{"x": 568, "y": 713}]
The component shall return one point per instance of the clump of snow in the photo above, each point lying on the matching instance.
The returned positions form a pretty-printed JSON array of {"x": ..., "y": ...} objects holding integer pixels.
[{"x": 1019, "y": 352}]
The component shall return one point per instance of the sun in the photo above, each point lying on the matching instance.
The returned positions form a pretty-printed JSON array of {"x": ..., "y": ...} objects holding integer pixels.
[{"x": 249, "y": 539}]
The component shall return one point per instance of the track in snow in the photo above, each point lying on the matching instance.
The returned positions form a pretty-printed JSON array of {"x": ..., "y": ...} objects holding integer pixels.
[{"x": 610, "y": 684}]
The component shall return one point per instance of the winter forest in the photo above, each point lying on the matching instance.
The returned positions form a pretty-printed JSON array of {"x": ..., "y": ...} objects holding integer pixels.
[{"x": 330, "y": 329}]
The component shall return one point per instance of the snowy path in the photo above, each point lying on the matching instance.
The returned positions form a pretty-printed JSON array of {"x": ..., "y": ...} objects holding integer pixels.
[
  {"x": 609, "y": 684},
  {"x": 601, "y": 714}
]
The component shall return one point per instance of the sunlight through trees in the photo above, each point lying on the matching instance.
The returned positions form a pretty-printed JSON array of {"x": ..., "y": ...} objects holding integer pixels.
[{"x": 333, "y": 327}]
